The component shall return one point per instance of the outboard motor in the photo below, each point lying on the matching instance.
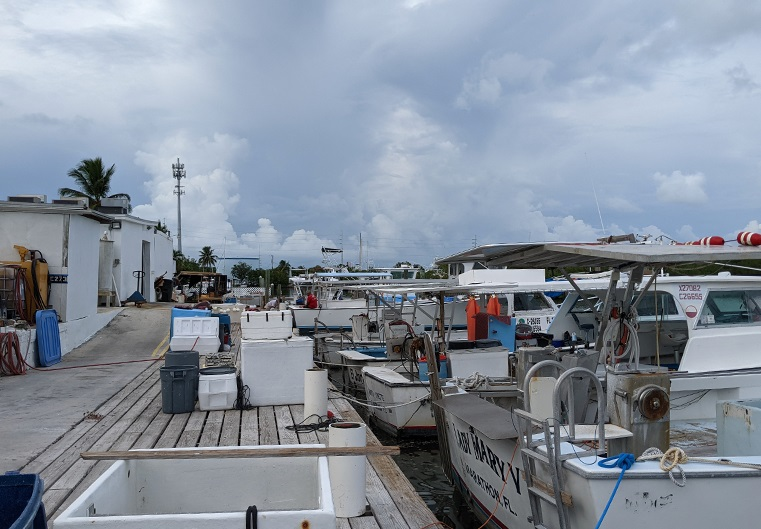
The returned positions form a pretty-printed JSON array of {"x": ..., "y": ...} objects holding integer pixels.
[{"x": 638, "y": 401}]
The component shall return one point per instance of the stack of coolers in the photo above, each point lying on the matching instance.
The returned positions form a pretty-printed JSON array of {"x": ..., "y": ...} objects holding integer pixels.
[
  {"x": 272, "y": 359},
  {"x": 195, "y": 333}
]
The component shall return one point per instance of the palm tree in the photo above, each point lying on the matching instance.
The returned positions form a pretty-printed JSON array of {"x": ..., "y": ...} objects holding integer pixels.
[
  {"x": 94, "y": 182},
  {"x": 206, "y": 257}
]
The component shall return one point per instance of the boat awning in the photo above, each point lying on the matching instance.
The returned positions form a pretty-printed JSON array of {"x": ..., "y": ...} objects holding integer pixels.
[
  {"x": 619, "y": 256},
  {"x": 450, "y": 289}
]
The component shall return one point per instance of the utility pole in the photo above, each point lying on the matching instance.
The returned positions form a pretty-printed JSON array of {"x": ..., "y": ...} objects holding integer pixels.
[{"x": 178, "y": 172}]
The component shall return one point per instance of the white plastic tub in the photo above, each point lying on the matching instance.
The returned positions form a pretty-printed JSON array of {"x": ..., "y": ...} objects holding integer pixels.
[{"x": 288, "y": 492}]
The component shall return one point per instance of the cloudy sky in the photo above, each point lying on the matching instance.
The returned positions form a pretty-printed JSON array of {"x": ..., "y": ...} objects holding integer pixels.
[{"x": 423, "y": 126}]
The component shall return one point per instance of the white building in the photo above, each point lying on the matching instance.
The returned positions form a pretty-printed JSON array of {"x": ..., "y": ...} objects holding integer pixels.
[{"x": 68, "y": 236}]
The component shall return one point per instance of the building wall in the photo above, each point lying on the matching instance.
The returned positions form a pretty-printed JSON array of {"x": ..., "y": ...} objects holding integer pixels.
[
  {"x": 130, "y": 240},
  {"x": 69, "y": 244},
  {"x": 82, "y": 286}
]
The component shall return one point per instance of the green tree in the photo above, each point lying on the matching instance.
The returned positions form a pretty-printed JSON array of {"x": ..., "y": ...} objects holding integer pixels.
[
  {"x": 94, "y": 182},
  {"x": 241, "y": 270},
  {"x": 207, "y": 259}
]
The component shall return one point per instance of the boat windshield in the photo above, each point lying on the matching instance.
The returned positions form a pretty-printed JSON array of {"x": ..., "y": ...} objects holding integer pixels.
[{"x": 731, "y": 307}]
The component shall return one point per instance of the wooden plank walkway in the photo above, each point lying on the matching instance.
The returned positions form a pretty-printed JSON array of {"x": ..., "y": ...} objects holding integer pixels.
[{"x": 132, "y": 418}]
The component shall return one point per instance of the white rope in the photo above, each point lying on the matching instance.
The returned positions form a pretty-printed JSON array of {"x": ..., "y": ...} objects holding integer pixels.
[
  {"x": 382, "y": 406},
  {"x": 473, "y": 381},
  {"x": 673, "y": 458}
]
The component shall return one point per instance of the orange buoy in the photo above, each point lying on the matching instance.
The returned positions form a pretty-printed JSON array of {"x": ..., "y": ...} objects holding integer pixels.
[
  {"x": 471, "y": 309},
  {"x": 748, "y": 238},
  {"x": 492, "y": 307}
]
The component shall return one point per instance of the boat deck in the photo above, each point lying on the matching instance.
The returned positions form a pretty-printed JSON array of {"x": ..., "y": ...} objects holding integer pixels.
[{"x": 133, "y": 418}]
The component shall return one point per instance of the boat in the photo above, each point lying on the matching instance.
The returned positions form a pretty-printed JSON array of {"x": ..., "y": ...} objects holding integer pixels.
[
  {"x": 336, "y": 304},
  {"x": 399, "y": 399},
  {"x": 580, "y": 436}
]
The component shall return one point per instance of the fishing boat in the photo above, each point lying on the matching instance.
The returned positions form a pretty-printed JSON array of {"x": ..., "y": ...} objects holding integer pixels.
[
  {"x": 336, "y": 304},
  {"x": 587, "y": 436},
  {"x": 399, "y": 396}
]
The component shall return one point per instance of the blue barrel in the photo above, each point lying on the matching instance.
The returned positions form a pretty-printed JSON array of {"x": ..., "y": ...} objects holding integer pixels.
[{"x": 21, "y": 504}]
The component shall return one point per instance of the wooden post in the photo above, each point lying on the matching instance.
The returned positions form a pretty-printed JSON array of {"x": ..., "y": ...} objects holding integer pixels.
[
  {"x": 435, "y": 386},
  {"x": 224, "y": 453}
]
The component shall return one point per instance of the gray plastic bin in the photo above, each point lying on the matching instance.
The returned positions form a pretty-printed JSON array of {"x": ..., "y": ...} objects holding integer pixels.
[{"x": 179, "y": 388}]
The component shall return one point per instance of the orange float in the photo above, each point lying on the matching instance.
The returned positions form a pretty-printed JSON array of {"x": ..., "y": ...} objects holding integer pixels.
[
  {"x": 471, "y": 309},
  {"x": 492, "y": 307}
]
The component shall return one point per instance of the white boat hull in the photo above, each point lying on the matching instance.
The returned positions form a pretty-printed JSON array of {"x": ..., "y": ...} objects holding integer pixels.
[
  {"x": 388, "y": 391},
  {"x": 714, "y": 496}
]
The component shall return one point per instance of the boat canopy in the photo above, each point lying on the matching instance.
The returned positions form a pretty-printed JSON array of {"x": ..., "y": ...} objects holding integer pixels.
[{"x": 621, "y": 256}]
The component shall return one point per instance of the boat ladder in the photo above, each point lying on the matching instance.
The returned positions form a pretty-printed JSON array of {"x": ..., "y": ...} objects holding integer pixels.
[{"x": 542, "y": 453}]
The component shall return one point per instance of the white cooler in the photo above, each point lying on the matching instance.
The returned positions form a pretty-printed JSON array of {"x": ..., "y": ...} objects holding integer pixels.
[
  {"x": 196, "y": 334},
  {"x": 266, "y": 325},
  {"x": 491, "y": 362},
  {"x": 273, "y": 370},
  {"x": 217, "y": 388}
]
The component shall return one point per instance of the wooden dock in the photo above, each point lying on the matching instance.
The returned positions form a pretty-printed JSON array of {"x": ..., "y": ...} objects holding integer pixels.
[{"x": 133, "y": 418}]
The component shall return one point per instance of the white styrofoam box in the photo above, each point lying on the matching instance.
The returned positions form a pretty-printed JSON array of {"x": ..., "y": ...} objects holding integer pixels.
[
  {"x": 217, "y": 392},
  {"x": 266, "y": 325},
  {"x": 196, "y": 326},
  {"x": 205, "y": 345},
  {"x": 273, "y": 370},
  {"x": 206, "y": 492},
  {"x": 491, "y": 362},
  {"x": 234, "y": 310}
]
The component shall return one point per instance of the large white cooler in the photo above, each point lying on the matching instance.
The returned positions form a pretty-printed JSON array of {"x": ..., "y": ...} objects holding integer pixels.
[
  {"x": 195, "y": 334},
  {"x": 266, "y": 325},
  {"x": 490, "y": 362},
  {"x": 273, "y": 370}
]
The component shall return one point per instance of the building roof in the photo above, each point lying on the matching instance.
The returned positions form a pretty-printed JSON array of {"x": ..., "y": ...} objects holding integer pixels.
[{"x": 60, "y": 209}]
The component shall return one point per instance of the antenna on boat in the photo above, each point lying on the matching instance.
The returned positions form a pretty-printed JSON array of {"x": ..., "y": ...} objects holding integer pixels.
[{"x": 594, "y": 191}]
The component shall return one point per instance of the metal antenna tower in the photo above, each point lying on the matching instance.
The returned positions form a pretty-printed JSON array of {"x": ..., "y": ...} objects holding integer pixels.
[{"x": 178, "y": 172}]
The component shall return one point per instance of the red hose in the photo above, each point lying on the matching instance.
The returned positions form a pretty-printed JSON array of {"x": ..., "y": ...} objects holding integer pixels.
[{"x": 11, "y": 361}]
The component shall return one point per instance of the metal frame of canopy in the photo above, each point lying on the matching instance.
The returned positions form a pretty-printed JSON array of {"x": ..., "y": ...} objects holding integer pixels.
[{"x": 621, "y": 257}]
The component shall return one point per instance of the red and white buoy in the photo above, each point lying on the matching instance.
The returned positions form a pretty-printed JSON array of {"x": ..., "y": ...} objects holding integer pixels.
[
  {"x": 748, "y": 238},
  {"x": 709, "y": 241}
]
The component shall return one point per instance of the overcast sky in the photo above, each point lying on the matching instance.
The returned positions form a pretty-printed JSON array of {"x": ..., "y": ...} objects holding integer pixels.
[{"x": 423, "y": 126}]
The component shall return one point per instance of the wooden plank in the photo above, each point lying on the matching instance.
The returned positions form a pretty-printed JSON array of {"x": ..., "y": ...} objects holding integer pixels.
[
  {"x": 305, "y": 436},
  {"x": 249, "y": 427},
  {"x": 222, "y": 453},
  {"x": 193, "y": 428},
  {"x": 156, "y": 421},
  {"x": 384, "y": 508},
  {"x": 69, "y": 456},
  {"x": 115, "y": 435},
  {"x": 409, "y": 502},
  {"x": 284, "y": 419},
  {"x": 267, "y": 426},
  {"x": 342, "y": 523},
  {"x": 174, "y": 426},
  {"x": 61, "y": 445},
  {"x": 230, "y": 428},
  {"x": 212, "y": 428},
  {"x": 360, "y": 522}
]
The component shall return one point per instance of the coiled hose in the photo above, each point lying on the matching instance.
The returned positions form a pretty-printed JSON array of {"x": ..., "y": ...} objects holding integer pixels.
[{"x": 11, "y": 361}]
